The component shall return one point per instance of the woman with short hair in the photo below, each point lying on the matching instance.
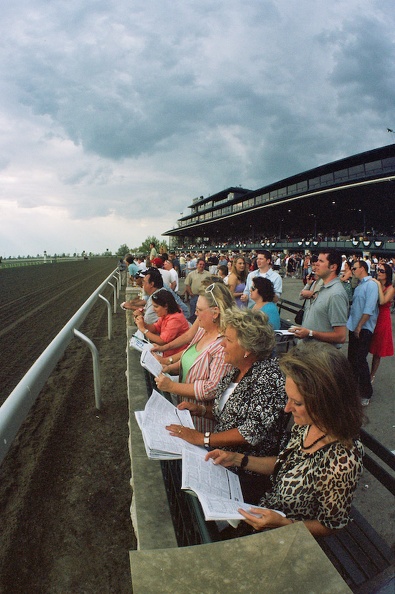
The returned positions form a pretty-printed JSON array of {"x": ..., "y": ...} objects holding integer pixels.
[
  {"x": 262, "y": 293},
  {"x": 249, "y": 400}
]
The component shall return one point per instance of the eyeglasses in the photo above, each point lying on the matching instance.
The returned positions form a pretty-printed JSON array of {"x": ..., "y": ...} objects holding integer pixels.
[
  {"x": 210, "y": 289},
  {"x": 253, "y": 289},
  {"x": 381, "y": 270}
]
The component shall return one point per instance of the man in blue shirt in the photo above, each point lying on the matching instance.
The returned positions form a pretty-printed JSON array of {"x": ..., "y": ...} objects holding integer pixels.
[
  {"x": 361, "y": 324},
  {"x": 264, "y": 269}
]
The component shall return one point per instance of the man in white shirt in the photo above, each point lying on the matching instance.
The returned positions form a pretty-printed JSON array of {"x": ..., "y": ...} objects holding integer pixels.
[
  {"x": 168, "y": 265},
  {"x": 264, "y": 269}
]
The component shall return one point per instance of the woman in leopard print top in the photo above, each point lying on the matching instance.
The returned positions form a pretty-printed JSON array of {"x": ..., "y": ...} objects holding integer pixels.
[{"x": 315, "y": 476}]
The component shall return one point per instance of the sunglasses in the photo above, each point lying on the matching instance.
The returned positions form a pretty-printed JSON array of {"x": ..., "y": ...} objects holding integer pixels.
[
  {"x": 381, "y": 270},
  {"x": 210, "y": 289},
  {"x": 354, "y": 268},
  {"x": 253, "y": 289}
]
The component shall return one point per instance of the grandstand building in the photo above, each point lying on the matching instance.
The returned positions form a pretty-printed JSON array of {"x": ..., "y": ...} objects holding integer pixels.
[{"x": 347, "y": 204}]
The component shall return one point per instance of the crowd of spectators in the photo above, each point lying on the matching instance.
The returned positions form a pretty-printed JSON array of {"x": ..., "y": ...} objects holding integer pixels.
[{"x": 219, "y": 361}]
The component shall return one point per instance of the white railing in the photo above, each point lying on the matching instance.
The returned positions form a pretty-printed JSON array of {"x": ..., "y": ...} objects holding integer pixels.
[{"x": 18, "y": 404}]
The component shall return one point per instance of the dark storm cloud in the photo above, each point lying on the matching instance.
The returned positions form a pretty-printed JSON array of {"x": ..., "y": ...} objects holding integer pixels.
[{"x": 113, "y": 109}]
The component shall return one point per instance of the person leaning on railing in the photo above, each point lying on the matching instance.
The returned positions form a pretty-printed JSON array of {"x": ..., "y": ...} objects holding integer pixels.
[
  {"x": 202, "y": 364},
  {"x": 250, "y": 399},
  {"x": 315, "y": 476},
  {"x": 171, "y": 321}
]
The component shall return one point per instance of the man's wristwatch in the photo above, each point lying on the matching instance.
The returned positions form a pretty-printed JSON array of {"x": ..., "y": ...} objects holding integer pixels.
[
  {"x": 310, "y": 333},
  {"x": 145, "y": 331},
  {"x": 206, "y": 440}
]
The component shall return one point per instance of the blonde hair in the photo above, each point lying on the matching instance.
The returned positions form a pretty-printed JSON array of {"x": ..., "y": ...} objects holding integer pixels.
[
  {"x": 218, "y": 295},
  {"x": 254, "y": 333},
  {"x": 241, "y": 276}
]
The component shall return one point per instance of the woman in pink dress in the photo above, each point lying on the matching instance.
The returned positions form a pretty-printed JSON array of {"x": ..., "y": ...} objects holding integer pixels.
[{"x": 382, "y": 344}]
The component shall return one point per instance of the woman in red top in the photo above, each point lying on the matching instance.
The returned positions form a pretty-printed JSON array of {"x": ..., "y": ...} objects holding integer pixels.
[{"x": 171, "y": 321}]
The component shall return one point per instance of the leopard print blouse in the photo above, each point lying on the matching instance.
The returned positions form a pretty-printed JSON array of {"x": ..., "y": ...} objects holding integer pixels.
[{"x": 317, "y": 486}]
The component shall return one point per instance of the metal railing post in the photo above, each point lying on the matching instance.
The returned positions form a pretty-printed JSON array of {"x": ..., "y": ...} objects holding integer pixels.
[
  {"x": 109, "y": 317},
  {"x": 115, "y": 296},
  {"x": 119, "y": 282},
  {"x": 96, "y": 366}
]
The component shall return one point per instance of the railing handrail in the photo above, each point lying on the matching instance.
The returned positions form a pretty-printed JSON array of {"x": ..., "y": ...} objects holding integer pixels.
[{"x": 16, "y": 407}]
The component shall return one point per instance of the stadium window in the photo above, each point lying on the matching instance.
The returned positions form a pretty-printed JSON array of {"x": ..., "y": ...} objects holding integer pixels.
[
  {"x": 341, "y": 175},
  {"x": 302, "y": 186},
  {"x": 314, "y": 183},
  {"x": 327, "y": 179},
  {"x": 373, "y": 167},
  {"x": 282, "y": 192},
  {"x": 356, "y": 171},
  {"x": 389, "y": 164}
]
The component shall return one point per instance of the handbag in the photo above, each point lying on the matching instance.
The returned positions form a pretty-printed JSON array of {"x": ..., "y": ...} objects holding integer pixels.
[{"x": 300, "y": 314}]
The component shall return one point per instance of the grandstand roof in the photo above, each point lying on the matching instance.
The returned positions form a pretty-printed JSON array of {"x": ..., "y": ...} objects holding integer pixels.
[{"x": 354, "y": 193}]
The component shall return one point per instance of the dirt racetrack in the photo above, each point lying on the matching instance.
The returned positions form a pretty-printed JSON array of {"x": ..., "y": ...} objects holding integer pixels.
[{"x": 64, "y": 485}]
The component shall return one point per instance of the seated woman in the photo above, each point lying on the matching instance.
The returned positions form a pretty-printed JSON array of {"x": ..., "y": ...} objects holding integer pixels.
[
  {"x": 237, "y": 279},
  {"x": 171, "y": 321},
  {"x": 202, "y": 364},
  {"x": 315, "y": 476},
  {"x": 262, "y": 292},
  {"x": 249, "y": 403}
]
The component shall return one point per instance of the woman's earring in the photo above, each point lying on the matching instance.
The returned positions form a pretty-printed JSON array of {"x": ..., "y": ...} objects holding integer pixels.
[{"x": 245, "y": 355}]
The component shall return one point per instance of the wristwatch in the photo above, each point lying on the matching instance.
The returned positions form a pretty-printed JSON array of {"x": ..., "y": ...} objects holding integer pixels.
[
  {"x": 244, "y": 462},
  {"x": 145, "y": 331},
  {"x": 206, "y": 440},
  {"x": 310, "y": 333}
]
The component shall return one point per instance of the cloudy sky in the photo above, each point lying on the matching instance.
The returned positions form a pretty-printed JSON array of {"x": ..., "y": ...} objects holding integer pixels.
[{"x": 114, "y": 115}]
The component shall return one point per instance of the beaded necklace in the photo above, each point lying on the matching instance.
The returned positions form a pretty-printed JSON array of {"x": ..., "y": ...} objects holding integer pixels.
[{"x": 312, "y": 444}]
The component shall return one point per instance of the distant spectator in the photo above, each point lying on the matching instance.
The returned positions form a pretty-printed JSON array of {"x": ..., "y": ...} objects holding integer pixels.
[
  {"x": 153, "y": 253},
  {"x": 223, "y": 273},
  {"x": 132, "y": 266},
  {"x": 193, "y": 285},
  {"x": 382, "y": 344},
  {"x": 264, "y": 268},
  {"x": 361, "y": 324}
]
